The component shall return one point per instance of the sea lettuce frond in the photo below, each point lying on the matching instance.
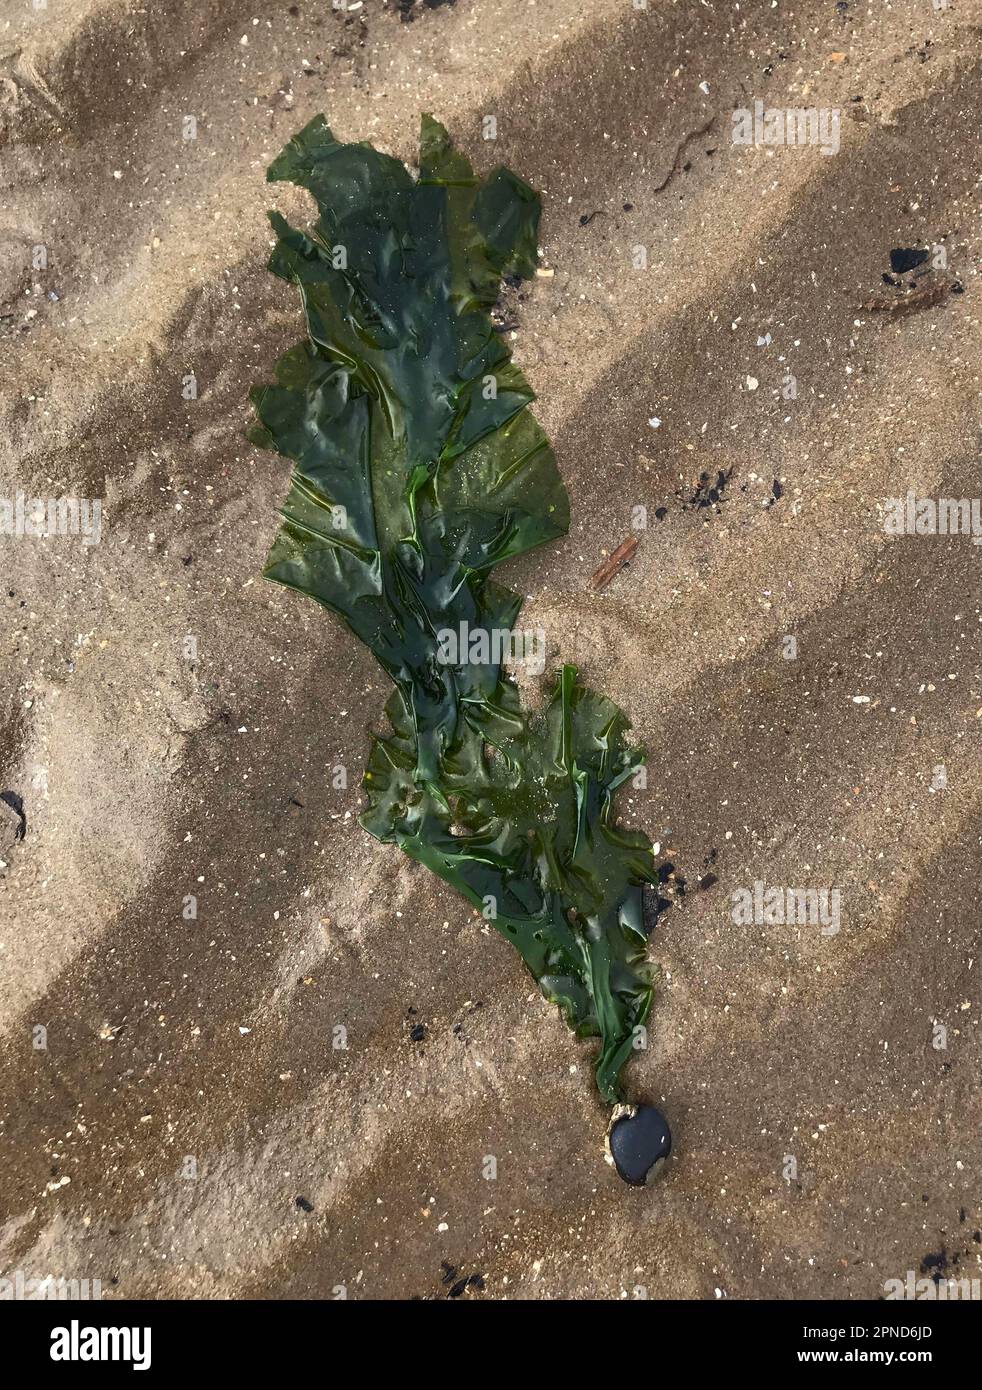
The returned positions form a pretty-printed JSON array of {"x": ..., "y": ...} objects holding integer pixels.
[{"x": 417, "y": 469}]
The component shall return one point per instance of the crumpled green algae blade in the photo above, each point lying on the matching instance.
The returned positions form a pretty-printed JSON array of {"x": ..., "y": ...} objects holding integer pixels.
[{"x": 417, "y": 469}]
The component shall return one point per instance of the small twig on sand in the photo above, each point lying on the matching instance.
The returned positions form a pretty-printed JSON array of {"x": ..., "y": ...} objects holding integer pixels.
[
  {"x": 622, "y": 556},
  {"x": 921, "y": 298},
  {"x": 703, "y": 130}
]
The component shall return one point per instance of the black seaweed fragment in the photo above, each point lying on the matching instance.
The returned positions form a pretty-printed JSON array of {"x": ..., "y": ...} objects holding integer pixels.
[{"x": 904, "y": 258}]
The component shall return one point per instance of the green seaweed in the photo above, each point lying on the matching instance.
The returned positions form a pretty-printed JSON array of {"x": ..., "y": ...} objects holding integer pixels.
[{"x": 417, "y": 469}]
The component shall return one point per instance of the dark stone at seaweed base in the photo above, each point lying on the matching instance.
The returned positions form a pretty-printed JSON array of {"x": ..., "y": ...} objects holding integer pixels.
[{"x": 639, "y": 1142}]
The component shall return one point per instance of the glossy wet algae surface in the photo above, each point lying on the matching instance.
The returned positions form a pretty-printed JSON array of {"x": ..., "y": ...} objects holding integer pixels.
[{"x": 418, "y": 468}]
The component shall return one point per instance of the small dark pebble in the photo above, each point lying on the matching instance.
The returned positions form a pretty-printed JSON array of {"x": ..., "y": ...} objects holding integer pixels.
[
  {"x": 304, "y": 1205},
  {"x": 707, "y": 882},
  {"x": 449, "y": 1272},
  {"x": 628, "y": 207},
  {"x": 958, "y": 288},
  {"x": 477, "y": 1280},
  {"x": 904, "y": 258},
  {"x": 661, "y": 513},
  {"x": 16, "y": 804},
  {"x": 639, "y": 1144},
  {"x": 977, "y": 1237},
  {"x": 418, "y": 1033},
  {"x": 777, "y": 490},
  {"x": 457, "y": 1288}
]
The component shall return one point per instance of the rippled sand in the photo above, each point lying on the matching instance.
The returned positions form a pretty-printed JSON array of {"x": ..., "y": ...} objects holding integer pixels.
[{"x": 824, "y": 1140}]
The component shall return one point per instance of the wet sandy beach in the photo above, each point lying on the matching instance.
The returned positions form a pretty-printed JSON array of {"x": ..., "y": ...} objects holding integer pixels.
[{"x": 183, "y": 1125}]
